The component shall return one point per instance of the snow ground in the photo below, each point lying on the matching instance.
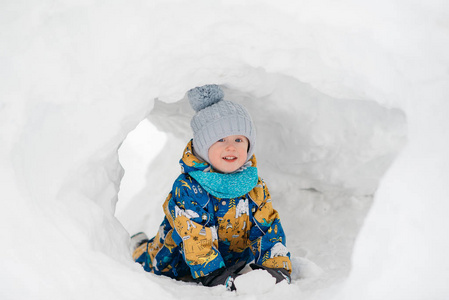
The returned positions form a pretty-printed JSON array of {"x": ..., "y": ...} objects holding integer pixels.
[{"x": 350, "y": 103}]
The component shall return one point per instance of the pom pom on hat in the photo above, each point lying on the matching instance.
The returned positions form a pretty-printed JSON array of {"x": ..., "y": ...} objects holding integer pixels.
[{"x": 204, "y": 96}]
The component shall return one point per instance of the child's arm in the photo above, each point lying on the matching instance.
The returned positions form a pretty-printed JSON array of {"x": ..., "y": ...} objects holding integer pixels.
[
  {"x": 267, "y": 235},
  {"x": 186, "y": 213}
]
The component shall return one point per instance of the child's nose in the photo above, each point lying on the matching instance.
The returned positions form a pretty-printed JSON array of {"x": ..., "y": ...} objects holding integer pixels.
[{"x": 230, "y": 146}]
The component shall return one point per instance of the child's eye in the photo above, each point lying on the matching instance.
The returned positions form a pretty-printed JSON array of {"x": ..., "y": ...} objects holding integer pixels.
[
  {"x": 238, "y": 140},
  {"x": 220, "y": 140}
]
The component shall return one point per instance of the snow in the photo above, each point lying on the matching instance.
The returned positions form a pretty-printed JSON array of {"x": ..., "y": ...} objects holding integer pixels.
[
  {"x": 254, "y": 283},
  {"x": 350, "y": 103}
]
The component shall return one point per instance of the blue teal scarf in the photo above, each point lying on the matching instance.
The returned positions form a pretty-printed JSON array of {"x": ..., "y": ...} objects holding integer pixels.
[{"x": 227, "y": 186}]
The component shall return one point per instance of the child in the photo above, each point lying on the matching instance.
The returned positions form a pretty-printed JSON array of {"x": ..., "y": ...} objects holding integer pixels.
[{"x": 218, "y": 216}]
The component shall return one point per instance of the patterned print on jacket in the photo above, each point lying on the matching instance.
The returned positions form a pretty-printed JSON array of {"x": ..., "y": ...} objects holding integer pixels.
[{"x": 201, "y": 233}]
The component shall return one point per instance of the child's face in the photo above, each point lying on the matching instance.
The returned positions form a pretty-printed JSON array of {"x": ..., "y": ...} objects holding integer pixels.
[{"x": 229, "y": 153}]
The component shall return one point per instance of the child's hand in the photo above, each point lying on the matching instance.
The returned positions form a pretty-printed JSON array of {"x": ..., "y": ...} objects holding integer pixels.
[
  {"x": 223, "y": 276},
  {"x": 220, "y": 277},
  {"x": 278, "y": 273}
]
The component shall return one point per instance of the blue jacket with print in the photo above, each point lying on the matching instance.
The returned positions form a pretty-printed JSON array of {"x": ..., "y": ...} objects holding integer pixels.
[{"x": 201, "y": 233}]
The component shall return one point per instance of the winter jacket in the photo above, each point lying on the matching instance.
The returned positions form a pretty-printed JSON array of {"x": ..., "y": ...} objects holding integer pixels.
[{"x": 202, "y": 233}]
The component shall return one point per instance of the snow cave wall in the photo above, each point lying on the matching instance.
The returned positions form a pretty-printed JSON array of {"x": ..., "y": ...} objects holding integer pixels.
[
  {"x": 322, "y": 158},
  {"x": 78, "y": 77}
]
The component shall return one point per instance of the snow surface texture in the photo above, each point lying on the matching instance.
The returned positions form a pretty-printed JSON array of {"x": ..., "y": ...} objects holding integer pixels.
[{"x": 336, "y": 91}]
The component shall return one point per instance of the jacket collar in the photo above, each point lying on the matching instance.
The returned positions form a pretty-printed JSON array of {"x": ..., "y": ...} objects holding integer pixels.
[{"x": 220, "y": 185}]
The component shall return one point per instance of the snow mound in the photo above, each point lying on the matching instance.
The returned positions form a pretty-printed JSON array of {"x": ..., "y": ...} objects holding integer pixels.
[
  {"x": 254, "y": 283},
  {"x": 336, "y": 89}
]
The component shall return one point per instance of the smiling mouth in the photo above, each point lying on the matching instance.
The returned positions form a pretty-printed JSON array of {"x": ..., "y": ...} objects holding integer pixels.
[{"x": 230, "y": 158}]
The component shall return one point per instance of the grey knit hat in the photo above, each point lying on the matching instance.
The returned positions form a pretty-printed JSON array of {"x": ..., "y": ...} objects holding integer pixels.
[{"x": 216, "y": 118}]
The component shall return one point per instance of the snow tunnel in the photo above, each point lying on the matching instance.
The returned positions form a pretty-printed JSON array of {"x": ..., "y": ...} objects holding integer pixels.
[
  {"x": 322, "y": 158},
  {"x": 335, "y": 88}
]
